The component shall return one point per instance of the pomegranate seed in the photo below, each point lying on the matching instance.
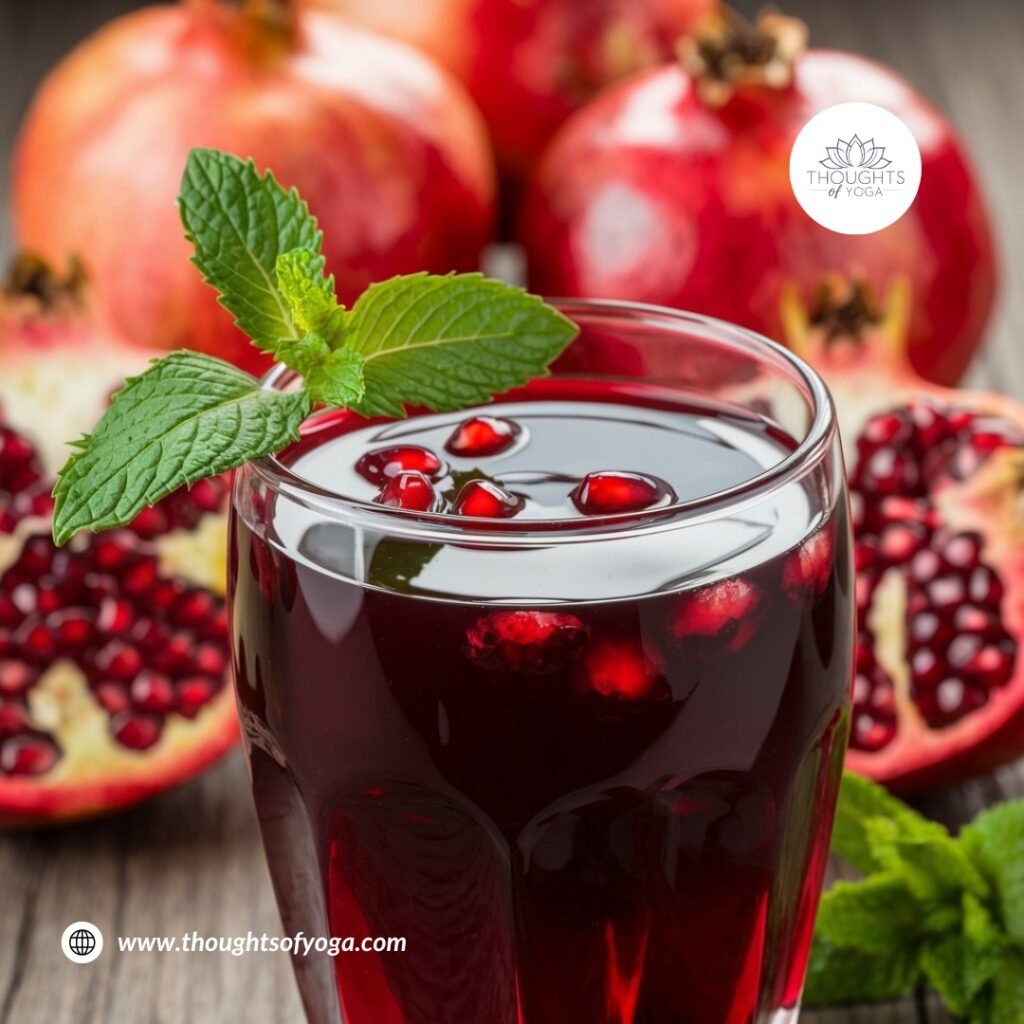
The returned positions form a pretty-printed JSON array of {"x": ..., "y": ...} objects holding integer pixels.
[
  {"x": 969, "y": 619},
  {"x": 411, "y": 491},
  {"x": 888, "y": 428},
  {"x": 165, "y": 595},
  {"x": 99, "y": 585},
  {"x": 946, "y": 593},
  {"x": 175, "y": 657},
  {"x": 385, "y": 463},
  {"x": 872, "y": 733},
  {"x": 12, "y": 719},
  {"x": 480, "y": 436},
  {"x": 112, "y": 697},
  {"x": 960, "y": 420},
  {"x": 150, "y": 522},
  {"x": 36, "y": 558},
  {"x": 111, "y": 552},
  {"x": 865, "y": 555},
  {"x": 210, "y": 660},
  {"x": 608, "y": 493},
  {"x": 28, "y": 755},
  {"x": 209, "y": 494},
  {"x": 149, "y": 635},
  {"x": 926, "y": 565},
  {"x": 35, "y": 642},
  {"x": 991, "y": 666},
  {"x": 151, "y": 691},
  {"x": 217, "y": 627},
  {"x": 808, "y": 569},
  {"x": 726, "y": 612},
  {"x": 115, "y": 616},
  {"x": 193, "y": 694},
  {"x": 136, "y": 730},
  {"x": 481, "y": 499},
  {"x": 984, "y": 586},
  {"x": 16, "y": 677},
  {"x": 899, "y": 543},
  {"x": 194, "y": 608},
  {"x": 140, "y": 577},
  {"x": 889, "y": 472},
  {"x": 926, "y": 668},
  {"x": 962, "y": 651},
  {"x": 9, "y": 614},
  {"x": 72, "y": 629},
  {"x": 534, "y": 643},
  {"x": 927, "y": 629},
  {"x": 962, "y": 551},
  {"x": 930, "y": 425},
  {"x": 118, "y": 660},
  {"x": 617, "y": 668}
]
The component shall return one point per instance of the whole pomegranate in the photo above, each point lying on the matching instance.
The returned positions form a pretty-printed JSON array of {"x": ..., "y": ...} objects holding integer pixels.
[
  {"x": 674, "y": 188},
  {"x": 530, "y": 64},
  {"x": 113, "y": 650},
  {"x": 386, "y": 147},
  {"x": 937, "y": 483}
]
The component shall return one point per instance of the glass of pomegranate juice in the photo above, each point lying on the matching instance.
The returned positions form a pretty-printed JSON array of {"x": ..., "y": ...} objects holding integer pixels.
[{"x": 555, "y": 690}]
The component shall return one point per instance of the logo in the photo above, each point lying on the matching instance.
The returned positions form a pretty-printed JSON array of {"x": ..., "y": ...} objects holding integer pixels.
[
  {"x": 855, "y": 168},
  {"x": 82, "y": 942}
]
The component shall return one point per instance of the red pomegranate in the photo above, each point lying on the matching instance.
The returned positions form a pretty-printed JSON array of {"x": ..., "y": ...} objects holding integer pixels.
[
  {"x": 113, "y": 650},
  {"x": 530, "y": 64},
  {"x": 386, "y": 148},
  {"x": 674, "y": 188},
  {"x": 937, "y": 479}
]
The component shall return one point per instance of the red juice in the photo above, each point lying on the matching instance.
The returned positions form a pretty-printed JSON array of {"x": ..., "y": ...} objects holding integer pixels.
[{"x": 582, "y": 754}]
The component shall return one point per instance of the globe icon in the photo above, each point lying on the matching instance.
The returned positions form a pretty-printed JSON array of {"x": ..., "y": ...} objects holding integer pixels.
[{"x": 82, "y": 942}]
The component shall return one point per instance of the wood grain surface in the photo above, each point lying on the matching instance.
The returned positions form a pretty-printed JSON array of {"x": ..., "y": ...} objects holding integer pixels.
[{"x": 191, "y": 861}]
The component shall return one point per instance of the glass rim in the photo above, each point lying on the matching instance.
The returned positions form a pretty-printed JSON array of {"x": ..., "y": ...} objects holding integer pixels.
[{"x": 446, "y": 528}]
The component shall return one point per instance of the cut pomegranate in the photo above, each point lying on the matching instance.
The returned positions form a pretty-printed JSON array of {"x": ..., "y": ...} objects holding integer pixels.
[
  {"x": 89, "y": 720},
  {"x": 412, "y": 491},
  {"x": 936, "y": 482},
  {"x": 381, "y": 465},
  {"x": 483, "y": 499},
  {"x": 608, "y": 493},
  {"x": 536, "y": 643},
  {"x": 722, "y": 617},
  {"x": 481, "y": 436}
]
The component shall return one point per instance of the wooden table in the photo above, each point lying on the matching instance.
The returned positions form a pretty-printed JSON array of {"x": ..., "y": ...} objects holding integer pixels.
[{"x": 191, "y": 860}]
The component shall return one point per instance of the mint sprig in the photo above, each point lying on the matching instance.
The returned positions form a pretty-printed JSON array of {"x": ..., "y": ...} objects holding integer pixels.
[
  {"x": 437, "y": 342},
  {"x": 931, "y": 910}
]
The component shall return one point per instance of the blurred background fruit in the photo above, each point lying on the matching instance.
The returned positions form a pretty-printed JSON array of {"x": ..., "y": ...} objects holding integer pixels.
[
  {"x": 386, "y": 147},
  {"x": 530, "y": 63},
  {"x": 113, "y": 650},
  {"x": 674, "y": 188}
]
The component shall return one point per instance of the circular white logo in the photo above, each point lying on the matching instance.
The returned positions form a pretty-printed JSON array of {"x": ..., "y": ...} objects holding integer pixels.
[
  {"x": 81, "y": 942},
  {"x": 855, "y": 168}
]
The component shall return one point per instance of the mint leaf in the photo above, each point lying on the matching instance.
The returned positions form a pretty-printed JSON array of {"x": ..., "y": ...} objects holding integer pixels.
[
  {"x": 944, "y": 961},
  {"x": 450, "y": 342},
  {"x": 338, "y": 379},
  {"x": 880, "y": 915},
  {"x": 837, "y": 976},
  {"x": 240, "y": 222},
  {"x": 310, "y": 295},
  {"x": 995, "y": 843},
  {"x": 187, "y": 417}
]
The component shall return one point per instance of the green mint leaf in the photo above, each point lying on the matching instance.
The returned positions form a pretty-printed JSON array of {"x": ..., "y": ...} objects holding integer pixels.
[
  {"x": 861, "y": 802},
  {"x": 240, "y": 222},
  {"x": 338, "y": 379},
  {"x": 995, "y": 843},
  {"x": 1006, "y": 1003},
  {"x": 840, "y": 976},
  {"x": 304, "y": 354},
  {"x": 310, "y": 295},
  {"x": 945, "y": 963},
  {"x": 450, "y": 342},
  {"x": 187, "y": 417},
  {"x": 879, "y": 915}
]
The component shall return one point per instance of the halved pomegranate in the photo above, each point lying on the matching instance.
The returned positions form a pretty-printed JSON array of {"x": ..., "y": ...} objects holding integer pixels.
[
  {"x": 937, "y": 481},
  {"x": 113, "y": 650}
]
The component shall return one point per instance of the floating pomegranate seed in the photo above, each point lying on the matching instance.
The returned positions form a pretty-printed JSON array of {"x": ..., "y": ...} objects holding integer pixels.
[
  {"x": 411, "y": 491},
  {"x": 28, "y": 755},
  {"x": 727, "y": 613},
  {"x": 608, "y": 493},
  {"x": 379, "y": 466},
  {"x": 481, "y": 436},
  {"x": 807, "y": 571},
  {"x": 620, "y": 669},
  {"x": 151, "y": 691},
  {"x": 136, "y": 730},
  {"x": 482, "y": 499},
  {"x": 192, "y": 695},
  {"x": 535, "y": 643}
]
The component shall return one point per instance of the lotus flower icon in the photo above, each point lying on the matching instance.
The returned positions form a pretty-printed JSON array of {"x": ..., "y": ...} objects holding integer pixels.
[{"x": 855, "y": 154}]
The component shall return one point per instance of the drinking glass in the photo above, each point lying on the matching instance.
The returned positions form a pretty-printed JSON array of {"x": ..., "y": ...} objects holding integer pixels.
[{"x": 435, "y": 759}]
